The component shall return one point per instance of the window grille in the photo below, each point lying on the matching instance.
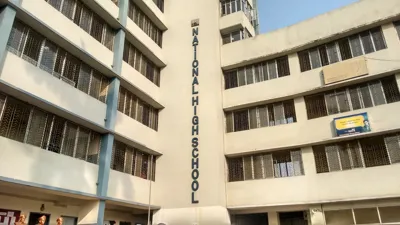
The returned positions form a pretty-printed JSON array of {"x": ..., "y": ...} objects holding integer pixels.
[
  {"x": 141, "y": 63},
  {"x": 232, "y": 6},
  {"x": 25, "y": 123},
  {"x": 145, "y": 24},
  {"x": 286, "y": 163},
  {"x": 159, "y": 4},
  {"x": 397, "y": 26},
  {"x": 259, "y": 72},
  {"x": 261, "y": 116},
  {"x": 364, "y": 95},
  {"x": 49, "y": 57},
  {"x": 132, "y": 106},
  {"x": 89, "y": 21},
  {"x": 366, "y": 152},
  {"x": 236, "y": 36},
  {"x": 359, "y": 44},
  {"x": 132, "y": 161}
]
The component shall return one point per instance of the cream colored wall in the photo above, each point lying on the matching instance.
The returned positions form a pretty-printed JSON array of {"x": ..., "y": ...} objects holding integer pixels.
[
  {"x": 320, "y": 27},
  {"x": 110, "y": 7},
  {"x": 357, "y": 184},
  {"x": 136, "y": 131},
  {"x": 299, "y": 82},
  {"x": 306, "y": 132},
  {"x": 140, "y": 35},
  {"x": 173, "y": 177},
  {"x": 233, "y": 21},
  {"x": 26, "y": 206},
  {"x": 32, "y": 79},
  {"x": 128, "y": 188},
  {"x": 46, "y": 168},
  {"x": 45, "y": 13}
]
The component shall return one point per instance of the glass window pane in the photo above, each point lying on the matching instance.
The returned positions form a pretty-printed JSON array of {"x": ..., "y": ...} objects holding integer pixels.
[
  {"x": 249, "y": 75},
  {"x": 279, "y": 113},
  {"x": 272, "y": 70},
  {"x": 253, "y": 118},
  {"x": 377, "y": 93},
  {"x": 236, "y": 36},
  {"x": 345, "y": 50},
  {"x": 241, "y": 77},
  {"x": 48, "y": 59},
  {"x": 343, "y": 101},
  {"x": 355, "y": 44},
  {"x": 366, "y": 96},
  {"x": 378, "y": 38},
  {"x": 315, "y": 58},
  {"x": 333, "y": 157},
  {"x": 367, "y": 42},
  {"x": 355, "y": 97},
  {"x": 332, "y": 53},
  {"x": 331, "y": 103}
]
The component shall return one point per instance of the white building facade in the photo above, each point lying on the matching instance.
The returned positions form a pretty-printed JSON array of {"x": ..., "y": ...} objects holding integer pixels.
[{"x": 149, "y": 112}]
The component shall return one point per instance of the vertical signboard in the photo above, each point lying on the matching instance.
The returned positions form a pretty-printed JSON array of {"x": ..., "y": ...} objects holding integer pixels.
[
  {"x": 195, "y": 119},
  {"x": 353, "y": 124}
]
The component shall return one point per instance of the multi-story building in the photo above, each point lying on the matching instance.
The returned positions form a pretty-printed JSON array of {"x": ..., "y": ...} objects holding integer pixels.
[{"x": 150, "y": 112}]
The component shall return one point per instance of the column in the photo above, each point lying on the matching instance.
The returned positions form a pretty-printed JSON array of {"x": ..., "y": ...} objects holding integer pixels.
[
  {"x": 7, "y": 16},
  {"x": 273, "y": 218},
  {"x": 294, "y": 64},
  {"x": 308, "y": 161},
  {"x": 110, "y": 120},
  {"x": 317, "y": 215},
  {"x": 301, "y": 110}
]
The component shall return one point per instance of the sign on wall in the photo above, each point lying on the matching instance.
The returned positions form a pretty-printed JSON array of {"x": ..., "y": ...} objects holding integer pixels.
[
  {"x": 345, "y": 70},
  {"x": 195, "y": 118},
  {"x": 8, "y": 217},
  {"x": 353, "y": 124}
]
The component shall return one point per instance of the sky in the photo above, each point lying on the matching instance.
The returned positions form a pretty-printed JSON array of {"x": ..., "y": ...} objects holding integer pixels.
[{"x": 275, "y": 14}]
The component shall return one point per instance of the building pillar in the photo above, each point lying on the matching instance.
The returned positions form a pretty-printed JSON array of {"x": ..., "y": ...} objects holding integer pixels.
[
  {"x": 294, "y": 64},
  {"x": 111, "y": 115},
  {"x": 308, "y": 160},
  {"x": 273, "y": 218},
  {"x": 7, "y": 16},
  {"x": 301, "y": 110},
  {"x": 316, "y": 215},
  {"x": 91, "y": 213}
]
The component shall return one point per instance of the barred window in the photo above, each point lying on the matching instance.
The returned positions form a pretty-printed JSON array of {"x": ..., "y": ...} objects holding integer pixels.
[
  {"x": 28, "y": 124},
  {"x": 359, "y": 44},
  {"x": 129, "y": 160},
  {"x": 232, "y": 6},
  {"x": 236, "y": 36},
  {"x": 259, "y": 72},
  {"x": 141, "y": 63},
  {"x": 286, "y": 163},
  {"x": 366, "y": 152},
  {"x": 159, "y": 4},
  {"x": 397, "y": 26},
  {"x": 145, "y": 24},
  {"x": 364, "y": 95},
  {"x": 134, "y": 107},
  {"x": 89, "y": 21},
  {"x": 261, "y": 116},
  {"x": 36, "y": 49}
]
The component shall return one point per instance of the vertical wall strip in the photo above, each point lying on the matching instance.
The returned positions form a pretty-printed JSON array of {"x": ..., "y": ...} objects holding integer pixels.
[
  {"x": 111, "y": 113},
  {"x": 7, "y": 16}
]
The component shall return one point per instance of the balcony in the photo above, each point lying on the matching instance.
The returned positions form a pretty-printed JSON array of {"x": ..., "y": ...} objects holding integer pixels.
[
  {"x": 29, "y": 78},
  {"x": 306, "y": 132},
  {"x": 236, "y": 21},
  {"x": 34, "y": 166},
  {"x": 52, "y": 19},
  {"x": 316, "y": 188},
  {"x": 143, "y": 136}
]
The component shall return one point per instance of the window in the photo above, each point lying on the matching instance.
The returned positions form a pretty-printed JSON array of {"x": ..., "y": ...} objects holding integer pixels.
[
  {"x": 137, "y": 109},
  {"x": 359, "y": 44},
  {"x": 28, "y": 124},
  {"x": 397, "y": 26},
  {"x": 236, "y": 36},
  {"x": 364, "y": 95},
  {"x": 366, "y": 152},
  {"x": 129, "y": 160},
  {"x": 41, "y": 52},
  {"x": 159, "y": 4},
  {"x": 232, "y": 6},
  {"x": 145, "y": 23},
  {"x": 141, "y": 63},
  {"x": 286, "y": 163},
  {"x": 255, "y": 73},
  {"x": 81, "y": 15},
  {"x": 261, "y": 116}
]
